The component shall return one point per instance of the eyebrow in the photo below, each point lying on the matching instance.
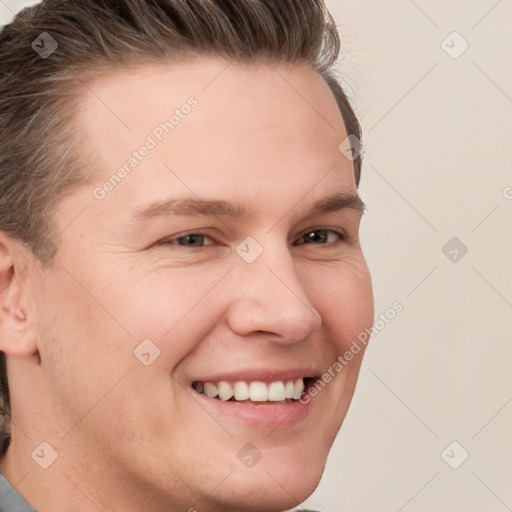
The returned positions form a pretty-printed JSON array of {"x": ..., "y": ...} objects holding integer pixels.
[{"x": 189, "y": 206}]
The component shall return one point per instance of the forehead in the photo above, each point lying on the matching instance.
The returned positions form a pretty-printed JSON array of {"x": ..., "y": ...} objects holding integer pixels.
[{"x": 253, "y": 121}]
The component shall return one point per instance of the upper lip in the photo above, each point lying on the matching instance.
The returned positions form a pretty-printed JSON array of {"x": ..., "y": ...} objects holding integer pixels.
[{"x": 262, "y": 375}]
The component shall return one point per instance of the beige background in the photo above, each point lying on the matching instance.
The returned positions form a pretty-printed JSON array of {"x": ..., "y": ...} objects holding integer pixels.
[{"x": 438, "y": 133}]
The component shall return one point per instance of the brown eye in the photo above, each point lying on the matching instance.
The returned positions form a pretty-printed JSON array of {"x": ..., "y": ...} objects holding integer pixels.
[{"x": 321, "y": 236}]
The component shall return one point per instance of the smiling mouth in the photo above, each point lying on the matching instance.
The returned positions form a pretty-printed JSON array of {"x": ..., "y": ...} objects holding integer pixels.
[{"x": 255, "y": 392}]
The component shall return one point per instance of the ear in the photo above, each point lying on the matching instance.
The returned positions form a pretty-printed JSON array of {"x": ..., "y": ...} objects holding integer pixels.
[{"x": 16, "y": 332}]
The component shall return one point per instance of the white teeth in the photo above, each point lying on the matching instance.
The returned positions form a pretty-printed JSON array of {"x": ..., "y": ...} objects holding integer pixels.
[
  {"x": 257, "y": 391},
  {"x": 225, "y": 390},
  {"x": 288, "y": 390},
  {"x": 298, "y": 388},
  {"x": 241, "y": 391},
  {"x": 210, "y": 390},
  {"x": 276, "y": 391}
]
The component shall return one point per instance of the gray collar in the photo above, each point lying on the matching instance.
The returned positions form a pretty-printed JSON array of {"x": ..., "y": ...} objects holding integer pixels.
[{"x": 10, "y": 499}]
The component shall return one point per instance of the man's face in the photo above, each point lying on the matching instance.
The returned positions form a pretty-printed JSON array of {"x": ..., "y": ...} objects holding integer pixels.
[{"x": 268, "y": 292}]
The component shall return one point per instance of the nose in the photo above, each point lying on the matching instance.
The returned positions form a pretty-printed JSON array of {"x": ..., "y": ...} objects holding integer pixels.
[{"x": 269, "y": 297}]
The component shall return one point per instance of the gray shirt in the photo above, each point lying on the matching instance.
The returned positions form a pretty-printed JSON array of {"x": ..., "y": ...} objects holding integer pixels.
[{"x": 10, "y": 499}]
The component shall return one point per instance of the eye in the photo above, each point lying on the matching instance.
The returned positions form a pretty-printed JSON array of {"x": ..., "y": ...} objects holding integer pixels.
[
  {"x": 195, "y": 239},
  {"x": 199, "y": 239},
  {"x": 322, "y": 237}
]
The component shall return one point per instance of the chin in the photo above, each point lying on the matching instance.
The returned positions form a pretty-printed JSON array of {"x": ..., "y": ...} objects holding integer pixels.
[
  {"x": 265, "y": 491},
  {"x": 276, "y": 484}
]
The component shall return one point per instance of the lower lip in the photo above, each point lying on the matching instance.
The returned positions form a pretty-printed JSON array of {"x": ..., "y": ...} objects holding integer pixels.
[{"x": 272, "y": 416}]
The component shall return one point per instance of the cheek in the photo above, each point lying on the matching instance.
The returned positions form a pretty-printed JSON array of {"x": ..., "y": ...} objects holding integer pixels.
[
  {"x": 344, "y": 298},
  {"x": 89, "y": 326},
  {"x": 176, "y": 310},
  {"x": 84, "y": 345},
  {"x": 155, "y": 298}
]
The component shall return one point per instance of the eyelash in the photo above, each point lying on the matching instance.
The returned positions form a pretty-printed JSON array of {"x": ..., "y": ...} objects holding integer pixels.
[{"x": 173, "y": 240}]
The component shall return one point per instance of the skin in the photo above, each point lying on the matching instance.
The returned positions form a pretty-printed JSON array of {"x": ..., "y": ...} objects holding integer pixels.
[{"x": 132, "y": 437}]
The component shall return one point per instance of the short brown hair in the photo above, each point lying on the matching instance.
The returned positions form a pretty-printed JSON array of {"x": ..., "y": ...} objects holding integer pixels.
[{"x": 39, "y": 157}]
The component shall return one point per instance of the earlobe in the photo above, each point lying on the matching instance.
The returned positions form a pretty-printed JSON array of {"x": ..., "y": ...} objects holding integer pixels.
[{"x": 16, "y": 333}]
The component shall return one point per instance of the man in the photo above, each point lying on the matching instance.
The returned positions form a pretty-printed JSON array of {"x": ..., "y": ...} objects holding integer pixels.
[{"x": 179, "y": 256}]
